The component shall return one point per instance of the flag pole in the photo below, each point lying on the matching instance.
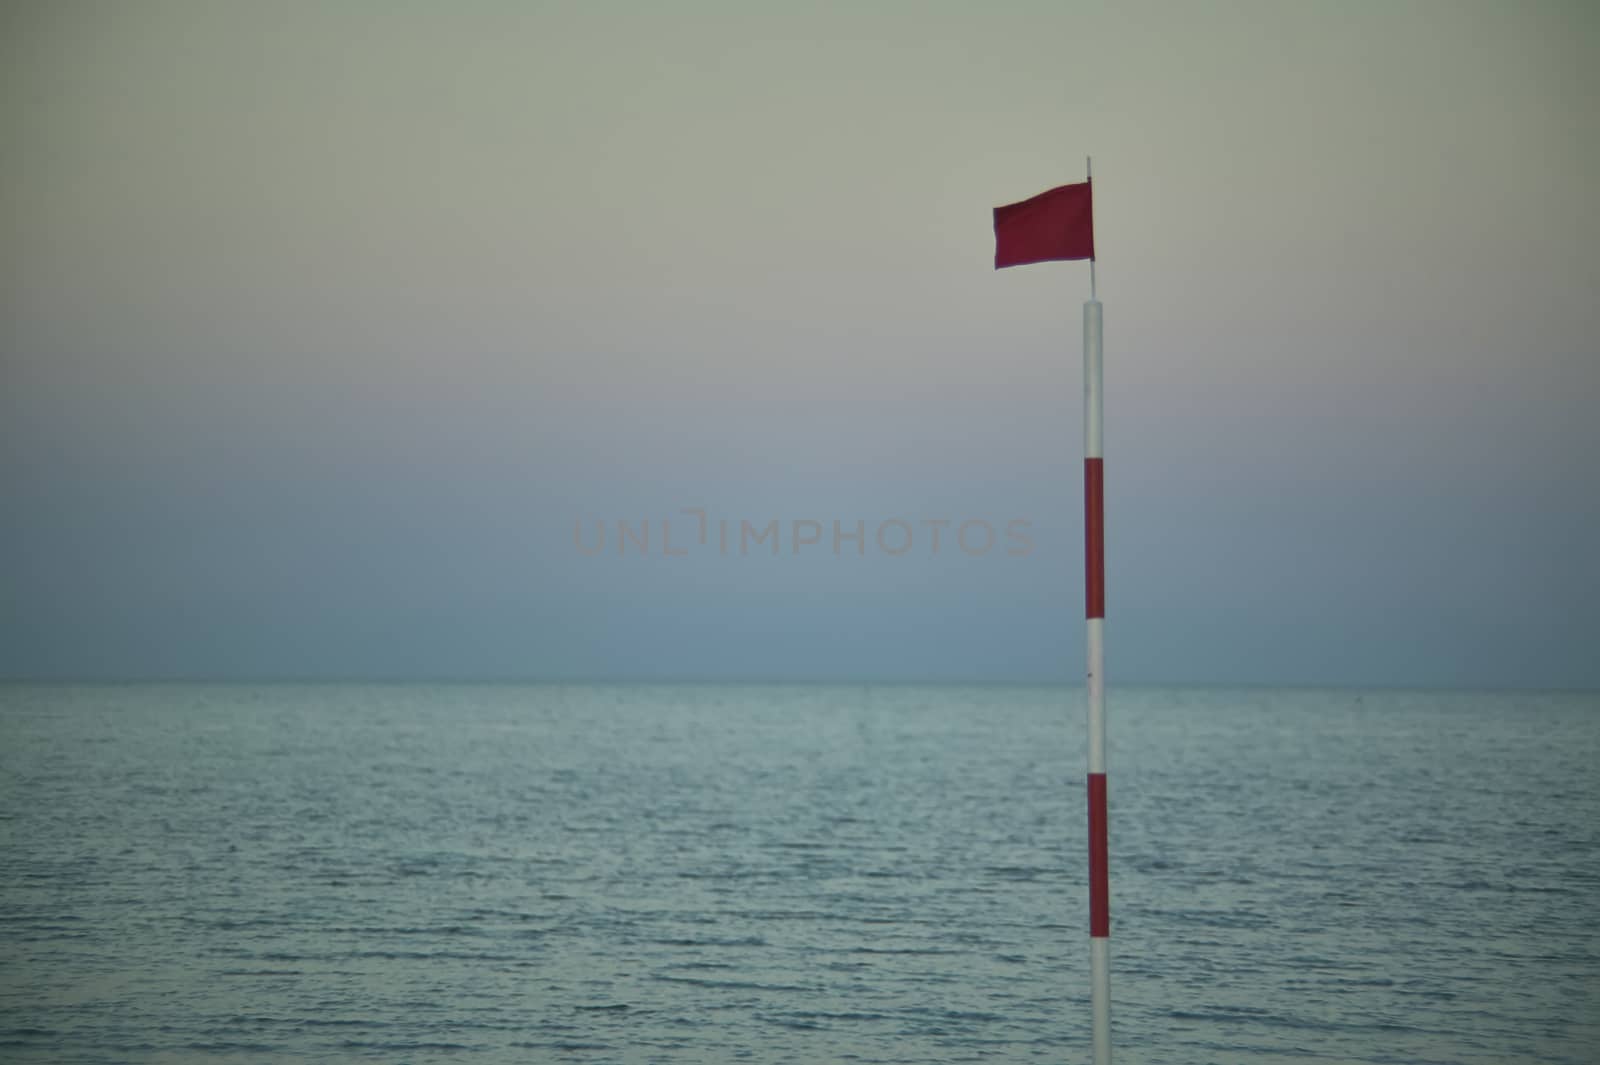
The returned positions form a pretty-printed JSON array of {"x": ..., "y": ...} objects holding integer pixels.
[
  {"x": 1088, "y": 176},
  {"x": 1094, "y": 613},
  {"x": 1058, "y": 225}
]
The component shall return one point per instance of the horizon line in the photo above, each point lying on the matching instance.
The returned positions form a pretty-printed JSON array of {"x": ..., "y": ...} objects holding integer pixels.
[{"x": 351, "y": 680}]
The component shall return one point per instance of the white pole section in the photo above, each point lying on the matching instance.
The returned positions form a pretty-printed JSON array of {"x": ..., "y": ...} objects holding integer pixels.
[{"x": 1095, "y": 612}]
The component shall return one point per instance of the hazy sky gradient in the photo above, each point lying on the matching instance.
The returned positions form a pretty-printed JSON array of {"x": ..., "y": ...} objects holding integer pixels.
[{"x": 324, "y": 323}]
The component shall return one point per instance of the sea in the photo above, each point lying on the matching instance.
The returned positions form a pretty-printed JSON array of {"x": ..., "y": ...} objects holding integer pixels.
[{"x": 482, "y": 873}]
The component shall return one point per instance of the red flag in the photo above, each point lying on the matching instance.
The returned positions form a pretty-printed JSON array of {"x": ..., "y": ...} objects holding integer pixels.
[{"x": 1054, "y": 225}]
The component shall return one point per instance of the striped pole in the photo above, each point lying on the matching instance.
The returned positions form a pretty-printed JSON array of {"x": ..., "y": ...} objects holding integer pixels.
[{"x": 1095, "y": 612}]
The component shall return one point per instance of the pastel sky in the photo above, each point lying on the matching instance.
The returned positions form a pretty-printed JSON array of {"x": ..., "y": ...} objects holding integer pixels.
[{"x": 327, "y": 325}]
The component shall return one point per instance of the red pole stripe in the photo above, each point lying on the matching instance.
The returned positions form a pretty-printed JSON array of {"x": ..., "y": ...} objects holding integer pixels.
[
  {"x": 1099, "y": 854},
  {"x": 1094, "y": 537}
]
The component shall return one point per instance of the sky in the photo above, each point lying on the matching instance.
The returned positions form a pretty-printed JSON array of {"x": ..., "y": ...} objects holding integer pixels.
[{"x": 332, "y": 336}]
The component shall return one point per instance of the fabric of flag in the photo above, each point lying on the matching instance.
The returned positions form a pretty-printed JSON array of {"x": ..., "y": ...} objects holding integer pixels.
[{"x": 1050, "y": 227}]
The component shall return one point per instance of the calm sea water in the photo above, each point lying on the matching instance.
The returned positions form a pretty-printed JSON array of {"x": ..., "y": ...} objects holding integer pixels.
[{"x": 792, "y": 874}]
